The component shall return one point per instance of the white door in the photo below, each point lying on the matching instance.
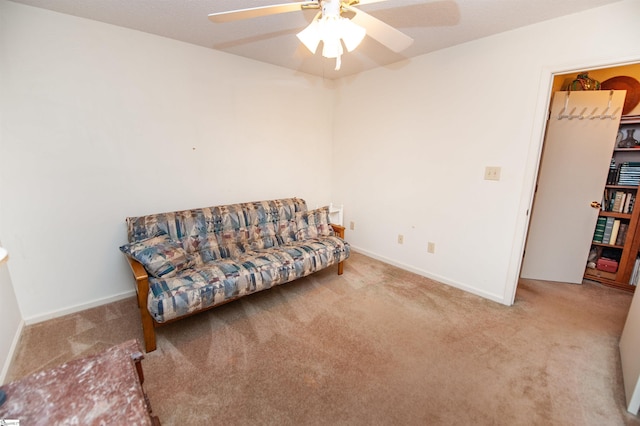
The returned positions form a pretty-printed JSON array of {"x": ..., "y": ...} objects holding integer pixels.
[{"x": 573, "y": 172}]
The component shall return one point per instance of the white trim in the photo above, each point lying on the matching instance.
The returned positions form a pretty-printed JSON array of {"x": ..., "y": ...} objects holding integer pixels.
[
  {"x": 77, "y": 308},
  {"x": 440, "y": 279},
  {"x": 536, "y": 143},
  {"x": 12, "y": 350},
  {"x": 579, "y": 66}
]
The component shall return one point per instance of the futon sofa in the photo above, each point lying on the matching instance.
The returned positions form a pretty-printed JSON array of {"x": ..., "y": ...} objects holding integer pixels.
[{"x": 188, "y": 261}]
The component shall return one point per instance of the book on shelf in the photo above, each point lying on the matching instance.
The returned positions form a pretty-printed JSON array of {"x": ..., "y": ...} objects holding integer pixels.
[
  {"x": 611, "y": 200},
  {"x": 622, "y": 234},
  {"x": 627, "y": 203},
  {"x": 629, "y": 173},
  {"x": 608, "y": 227},
  {"x": 598, "y": 234},
  {"x": 614, "y": 232},
  {"x": 618, "y": 200},
  {"x": 612, "y": 177}
]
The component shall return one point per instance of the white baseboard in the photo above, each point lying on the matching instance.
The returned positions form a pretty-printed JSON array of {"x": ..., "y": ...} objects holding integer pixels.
[
  {"x": 440, "y": 279},
  {"x": 12, "y": 350},
  {"x": 77, "y": 308}
]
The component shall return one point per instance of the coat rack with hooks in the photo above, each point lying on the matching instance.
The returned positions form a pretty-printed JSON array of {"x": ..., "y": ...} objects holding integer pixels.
[{"x": 571, "y": 115}]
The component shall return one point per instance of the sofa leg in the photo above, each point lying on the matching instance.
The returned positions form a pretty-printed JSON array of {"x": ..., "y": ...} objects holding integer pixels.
[
  {"x": 148, "y": 330},
  {"x": 340, "y": 268}
]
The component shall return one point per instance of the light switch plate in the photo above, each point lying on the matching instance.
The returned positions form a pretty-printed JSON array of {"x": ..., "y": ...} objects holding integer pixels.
[{"x": 492, "y": 173}]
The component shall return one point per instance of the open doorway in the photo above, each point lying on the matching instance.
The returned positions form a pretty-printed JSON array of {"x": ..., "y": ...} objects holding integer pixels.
[{"x": 561, "y": 260}]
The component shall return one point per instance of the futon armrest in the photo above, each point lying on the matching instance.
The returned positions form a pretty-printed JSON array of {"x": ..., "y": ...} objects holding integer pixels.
[
  {"x": 142, "y": 288},
  {"x": 139, "y": 273},
  {"x": 338, "y": 229}
]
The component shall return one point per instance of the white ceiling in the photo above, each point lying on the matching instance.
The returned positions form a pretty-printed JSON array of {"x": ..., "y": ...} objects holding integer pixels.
[{"x": 434, "y": 25}]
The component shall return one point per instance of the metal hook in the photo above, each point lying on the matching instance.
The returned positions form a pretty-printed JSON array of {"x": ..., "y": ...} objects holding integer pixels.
[
  {"x": 604, "y": 113},
  {"x": 581, "y": 115},
  {"x": 593, "y": 115},
  {"x": 613, "y": 116},
  {"x": 562, "y": 114}
]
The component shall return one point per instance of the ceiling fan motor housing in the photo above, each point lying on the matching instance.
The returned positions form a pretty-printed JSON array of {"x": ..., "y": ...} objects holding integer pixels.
[{"x": 331, "y": 8}]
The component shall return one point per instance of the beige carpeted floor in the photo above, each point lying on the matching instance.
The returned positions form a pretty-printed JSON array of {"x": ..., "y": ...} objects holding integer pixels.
[{"x": 375, "y": 346}]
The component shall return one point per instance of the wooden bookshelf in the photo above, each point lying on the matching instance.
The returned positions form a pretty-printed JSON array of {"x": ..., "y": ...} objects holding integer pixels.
[{"x": 626, "y": 253}]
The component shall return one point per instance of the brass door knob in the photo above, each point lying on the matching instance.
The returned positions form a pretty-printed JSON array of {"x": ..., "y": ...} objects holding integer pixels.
[{"x": 596, "y": 205}]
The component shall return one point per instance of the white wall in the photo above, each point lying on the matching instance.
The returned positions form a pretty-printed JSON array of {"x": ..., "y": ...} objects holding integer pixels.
[
  {"x": 101, "y": 122},
  {"x": 411, "y": 143}
]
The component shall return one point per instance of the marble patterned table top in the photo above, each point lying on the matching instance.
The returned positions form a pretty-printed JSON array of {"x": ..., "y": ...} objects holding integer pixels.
[{"x": 99, "y": 389}]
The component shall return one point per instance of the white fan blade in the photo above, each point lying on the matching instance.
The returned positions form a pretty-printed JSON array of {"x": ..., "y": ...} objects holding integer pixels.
[
  {"x": 255, "y": 12},
  {"x": 378, "y": 30},
  {"x": 360, "y": 2}
]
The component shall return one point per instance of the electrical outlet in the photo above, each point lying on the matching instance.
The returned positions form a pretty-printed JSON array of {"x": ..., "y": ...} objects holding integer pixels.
[
  {"x": 431, "y": 247},
  {"x": 352, "y": 225},
  {"x": 492, "y": 173},
  {"x": 400, "y": 239}
]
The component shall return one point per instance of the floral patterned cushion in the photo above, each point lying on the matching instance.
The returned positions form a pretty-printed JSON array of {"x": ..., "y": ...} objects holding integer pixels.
[
  {"x": 313, "y": 224},
  {"x": 160, "y": 255},
  {"x": 216, "y": 232},
  {"x": 224, "y": 279}
]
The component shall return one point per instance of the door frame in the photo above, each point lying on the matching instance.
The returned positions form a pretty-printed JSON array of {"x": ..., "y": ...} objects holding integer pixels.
[{"x": 534, "y": 156}]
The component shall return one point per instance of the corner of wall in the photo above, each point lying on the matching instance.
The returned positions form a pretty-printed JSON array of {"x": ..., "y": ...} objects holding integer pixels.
[{"x": 6, "y": 363}]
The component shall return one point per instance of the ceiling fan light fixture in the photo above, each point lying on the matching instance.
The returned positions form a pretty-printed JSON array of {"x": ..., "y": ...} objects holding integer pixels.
[
  {"x": 352, "y": 34},
  {"x": 329, "y": 26},
  {"x": 332, "y": 31},
  {"x": 332, "y": 48},
  {"x": 310, "y": 36}
]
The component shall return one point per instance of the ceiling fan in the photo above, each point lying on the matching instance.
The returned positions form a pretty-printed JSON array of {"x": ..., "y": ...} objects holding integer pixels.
[{"x": 329, "y": 26}]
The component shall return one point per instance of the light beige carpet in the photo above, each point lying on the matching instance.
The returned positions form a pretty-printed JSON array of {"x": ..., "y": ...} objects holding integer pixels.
[{"x": 375, "y": 346}]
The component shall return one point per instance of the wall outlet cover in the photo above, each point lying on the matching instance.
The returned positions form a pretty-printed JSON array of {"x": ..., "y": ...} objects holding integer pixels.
[{"x": 492, "y": 173}]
